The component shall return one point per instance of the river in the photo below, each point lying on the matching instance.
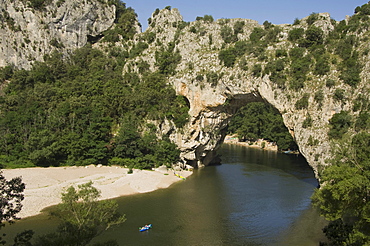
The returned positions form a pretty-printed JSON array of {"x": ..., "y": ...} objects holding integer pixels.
[{"x": 255, "y": 197}]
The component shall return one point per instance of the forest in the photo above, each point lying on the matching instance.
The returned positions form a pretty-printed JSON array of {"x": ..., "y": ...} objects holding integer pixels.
[
  {"x": 82, "y": 110},
  {"x": 260, "y": 120}
]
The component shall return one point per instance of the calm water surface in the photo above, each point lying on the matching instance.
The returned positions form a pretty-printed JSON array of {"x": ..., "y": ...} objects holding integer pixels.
[{"x": 255, "y": 198}]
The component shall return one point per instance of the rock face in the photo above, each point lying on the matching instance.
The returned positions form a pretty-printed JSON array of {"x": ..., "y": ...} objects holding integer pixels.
[
  {"x": 27, "y": 33},
  {"x": 214, "y": 101},
  {"x": 214, "y": 91}
]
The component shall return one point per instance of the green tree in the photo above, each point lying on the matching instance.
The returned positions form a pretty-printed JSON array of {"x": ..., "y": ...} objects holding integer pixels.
[
  {"x": 228, "y": 34},
  {"x": 257, "y": 34},
  {"x": 167, "y": 60},
  {"x": 339, "y": 124},
  {"x": 344, "y": 195},
  {"x": 313, "y": 36},
  {"x": 82, "y": 217},
  {"x": 295, "y": 34},
  {"x": 11, "y": 196},
  {"x": 228, "y": 57},
  {"x": 258, "y": 120},
  {"x": 302, "y": 103}
]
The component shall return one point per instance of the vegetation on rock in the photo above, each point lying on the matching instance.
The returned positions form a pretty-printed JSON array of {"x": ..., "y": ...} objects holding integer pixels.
[{"x": 259, "y": 120}]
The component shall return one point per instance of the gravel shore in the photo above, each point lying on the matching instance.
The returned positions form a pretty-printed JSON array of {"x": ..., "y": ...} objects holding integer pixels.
[{"x": 45, "y": 185}]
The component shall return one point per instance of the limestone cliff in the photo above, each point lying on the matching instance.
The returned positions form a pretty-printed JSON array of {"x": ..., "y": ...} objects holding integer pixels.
[
  {"x": 216, "y": 91},
  {"x": 27, "y": 33}
]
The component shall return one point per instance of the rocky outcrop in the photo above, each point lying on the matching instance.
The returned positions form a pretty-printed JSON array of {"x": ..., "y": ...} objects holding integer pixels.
[
  {"x": 214, "y": 100},
  {"x": 28, "y": 33}
]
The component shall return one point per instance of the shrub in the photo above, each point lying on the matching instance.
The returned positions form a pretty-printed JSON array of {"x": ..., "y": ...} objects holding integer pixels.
[
  {"x": 330, "y": 83},
  {"x": 303, "y": 102},
  {"x": 313, "y": 36},
  {"x": 257, "y": 34},
  {"x": 295, "y": 34},
  {"x": 339, "y": 124},
  {"x": 138, "y": 48},
  {"x": 38, "y": 4},
  {"x": 117, "y": 161},
  {"x": 296, "y": 53},
  {"x": 238, "y": 27},
  {"x": 228, "y": 35},
  {"x": 281, "y": 53},
  {"x": 149, "y": 37},
  {"x": 167, "y": 60},
  {"x": 199, "y": 78},
  {"x": 338, "y": 94},
  {"x": 193, "y": 29},
  {"x": 322, "y": 66},
  {"x": 256, "y": 70},
  {"x": 212, "y": 78},
  {"x": 266, "y": 24},
  {"x": 350, "y": 70},
  {"x": 312, "y": 18},
  {"x": 206, "y": 18},
  {"x": 297, "y": 83},
  {"x": 362, "y": 121},
  {"x": 278, "y": 78},
  {"x": 312, "y": 142},
  {"x": 243, "y": 64},
  {"x": 307, "y": 122},
  {"x": 228, "y": 57},
  {"x": 319, "y": 97}
]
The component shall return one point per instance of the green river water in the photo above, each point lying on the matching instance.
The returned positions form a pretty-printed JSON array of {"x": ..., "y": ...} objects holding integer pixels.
[{"x": 255, "y": 197}]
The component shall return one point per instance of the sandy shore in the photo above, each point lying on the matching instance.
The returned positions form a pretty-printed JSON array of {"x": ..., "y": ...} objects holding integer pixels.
[
  {"x": 258, "y": 144},
  {"x": 45, "y": 185}
]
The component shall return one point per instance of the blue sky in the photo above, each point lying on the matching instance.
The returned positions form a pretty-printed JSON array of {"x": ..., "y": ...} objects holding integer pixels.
[{"x": 277, "y": 12}]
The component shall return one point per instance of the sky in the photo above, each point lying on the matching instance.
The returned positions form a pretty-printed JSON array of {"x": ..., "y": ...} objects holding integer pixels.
[{"x": 274, "y": 11}]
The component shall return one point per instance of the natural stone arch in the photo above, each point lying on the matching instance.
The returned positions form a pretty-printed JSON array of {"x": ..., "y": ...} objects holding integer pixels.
[
  {"x": 212, "y": 106},
  {"x": 213, "y": 101},
  {"x": 214, "y": 124}
]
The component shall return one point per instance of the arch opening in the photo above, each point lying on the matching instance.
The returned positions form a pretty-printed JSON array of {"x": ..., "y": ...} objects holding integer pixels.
[{"x": 253, "y": 113}]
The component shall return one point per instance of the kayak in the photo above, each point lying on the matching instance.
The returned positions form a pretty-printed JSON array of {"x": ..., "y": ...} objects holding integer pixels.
[
  {"x": 145, "y": 228},
  {"x": 181, "y": 177}
]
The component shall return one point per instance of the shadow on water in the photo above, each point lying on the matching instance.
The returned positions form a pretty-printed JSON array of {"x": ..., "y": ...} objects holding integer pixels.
[
  {"x": 254, "y": 198},
  {"x": 292, "y": 164}
]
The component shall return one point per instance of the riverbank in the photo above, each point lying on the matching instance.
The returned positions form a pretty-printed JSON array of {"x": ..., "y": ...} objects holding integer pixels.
[
  {"x": 45, "y": 185},
  {"x": 259, "y": 144}
]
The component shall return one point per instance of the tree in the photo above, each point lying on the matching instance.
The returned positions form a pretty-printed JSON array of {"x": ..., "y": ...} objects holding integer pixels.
[
  {"x": 83, "y": 217},
  {"x": 344, "y": 195},
  {"x": 228, "y": 34},
  {"x": 339, "y": 124},
  {"x": 259, "y": 120},
  {"x": 81, "y": 207},
  {"x": 11, "y": 196}
]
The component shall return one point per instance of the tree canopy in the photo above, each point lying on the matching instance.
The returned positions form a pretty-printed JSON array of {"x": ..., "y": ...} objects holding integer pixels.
[
  {"x": 259, "y": 120},
  {"x": 345, "y": 193},
  {"x": 64, "y": 112},
  {"x": 11, "y": 196}
]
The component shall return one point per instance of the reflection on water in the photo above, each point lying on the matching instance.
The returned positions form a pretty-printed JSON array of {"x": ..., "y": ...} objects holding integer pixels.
[{"x": 255, "y": 198}]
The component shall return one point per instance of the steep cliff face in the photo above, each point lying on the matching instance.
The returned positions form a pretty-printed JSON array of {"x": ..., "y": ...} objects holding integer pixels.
[
  {"x": 216, "y": 91},
  {"x": 28, "y": 33}
]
